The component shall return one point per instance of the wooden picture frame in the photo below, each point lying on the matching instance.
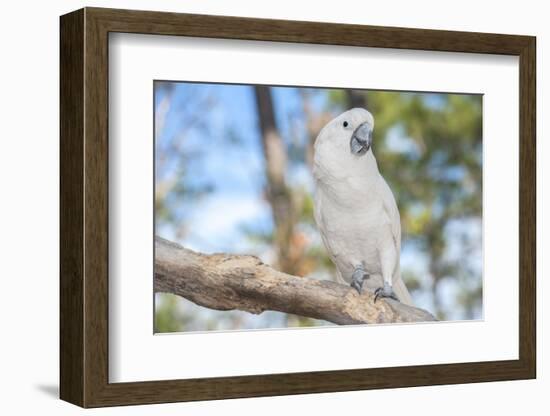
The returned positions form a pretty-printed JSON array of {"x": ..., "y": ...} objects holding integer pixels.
[{"x": 84, "y": 207}]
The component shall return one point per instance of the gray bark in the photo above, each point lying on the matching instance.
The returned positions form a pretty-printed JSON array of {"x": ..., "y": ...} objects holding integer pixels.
[{"x": 227, "y": 282}]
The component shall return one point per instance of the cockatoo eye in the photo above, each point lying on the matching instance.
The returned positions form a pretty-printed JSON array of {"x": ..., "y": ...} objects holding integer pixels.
[{"x": 345, "y": 124}]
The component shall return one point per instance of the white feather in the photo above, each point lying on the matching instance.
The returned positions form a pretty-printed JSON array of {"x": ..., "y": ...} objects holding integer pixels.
[{"x": 355, "y": 209}]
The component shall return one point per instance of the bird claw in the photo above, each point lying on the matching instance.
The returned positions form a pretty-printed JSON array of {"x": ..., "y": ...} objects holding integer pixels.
[
  {"x": 357, "y": 286},
  {"x": 385, "y": 292},
  {"x": 357, "y": 279}
]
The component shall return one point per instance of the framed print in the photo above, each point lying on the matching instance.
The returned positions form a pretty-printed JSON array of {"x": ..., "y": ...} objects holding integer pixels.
[{"x": 256, "y": 207}]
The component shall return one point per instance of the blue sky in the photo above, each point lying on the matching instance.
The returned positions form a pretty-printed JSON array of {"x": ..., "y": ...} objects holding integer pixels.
[{"x": 232, "y": 164}]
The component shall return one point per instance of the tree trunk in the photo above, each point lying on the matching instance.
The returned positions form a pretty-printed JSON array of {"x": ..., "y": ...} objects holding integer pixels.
[{"x": 278, "y": 193}]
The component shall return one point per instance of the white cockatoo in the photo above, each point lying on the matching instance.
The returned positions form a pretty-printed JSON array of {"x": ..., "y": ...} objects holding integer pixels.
[{"x": 355, "y": 209}]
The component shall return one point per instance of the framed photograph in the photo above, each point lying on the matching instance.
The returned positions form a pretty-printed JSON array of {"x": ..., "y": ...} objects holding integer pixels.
[{"x": 260, "y": 207}]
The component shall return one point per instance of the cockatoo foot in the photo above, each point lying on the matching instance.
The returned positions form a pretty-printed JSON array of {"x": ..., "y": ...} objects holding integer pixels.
[
  {"x": 385, "y": 292},
  {"x": 357, "y": 279}
]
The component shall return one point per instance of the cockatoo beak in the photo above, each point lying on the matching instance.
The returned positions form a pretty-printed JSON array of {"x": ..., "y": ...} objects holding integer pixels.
[{"x": 361, "y": 139}]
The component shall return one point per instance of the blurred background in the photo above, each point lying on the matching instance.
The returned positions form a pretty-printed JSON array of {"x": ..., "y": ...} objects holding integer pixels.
[{"x": 220, "y": 188}]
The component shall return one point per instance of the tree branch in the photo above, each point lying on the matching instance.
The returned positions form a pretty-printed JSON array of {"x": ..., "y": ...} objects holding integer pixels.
[{"x": 226, "y": 282}]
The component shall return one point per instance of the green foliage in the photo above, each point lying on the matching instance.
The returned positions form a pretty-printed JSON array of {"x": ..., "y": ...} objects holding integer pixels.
[
  {"x": 167, "y": 316},
  {"x": 429, "y": 149}
]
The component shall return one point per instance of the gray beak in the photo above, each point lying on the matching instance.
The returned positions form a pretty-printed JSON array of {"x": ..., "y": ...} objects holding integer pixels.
[{"x": 361, "y": 139}]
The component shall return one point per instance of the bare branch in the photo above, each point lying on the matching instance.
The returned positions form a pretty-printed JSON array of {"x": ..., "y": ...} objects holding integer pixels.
[{"x": 226, "y": 282}]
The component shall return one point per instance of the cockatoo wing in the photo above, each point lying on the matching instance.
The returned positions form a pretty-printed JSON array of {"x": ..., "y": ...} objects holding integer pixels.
[{"x": 391, "y": 210}]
